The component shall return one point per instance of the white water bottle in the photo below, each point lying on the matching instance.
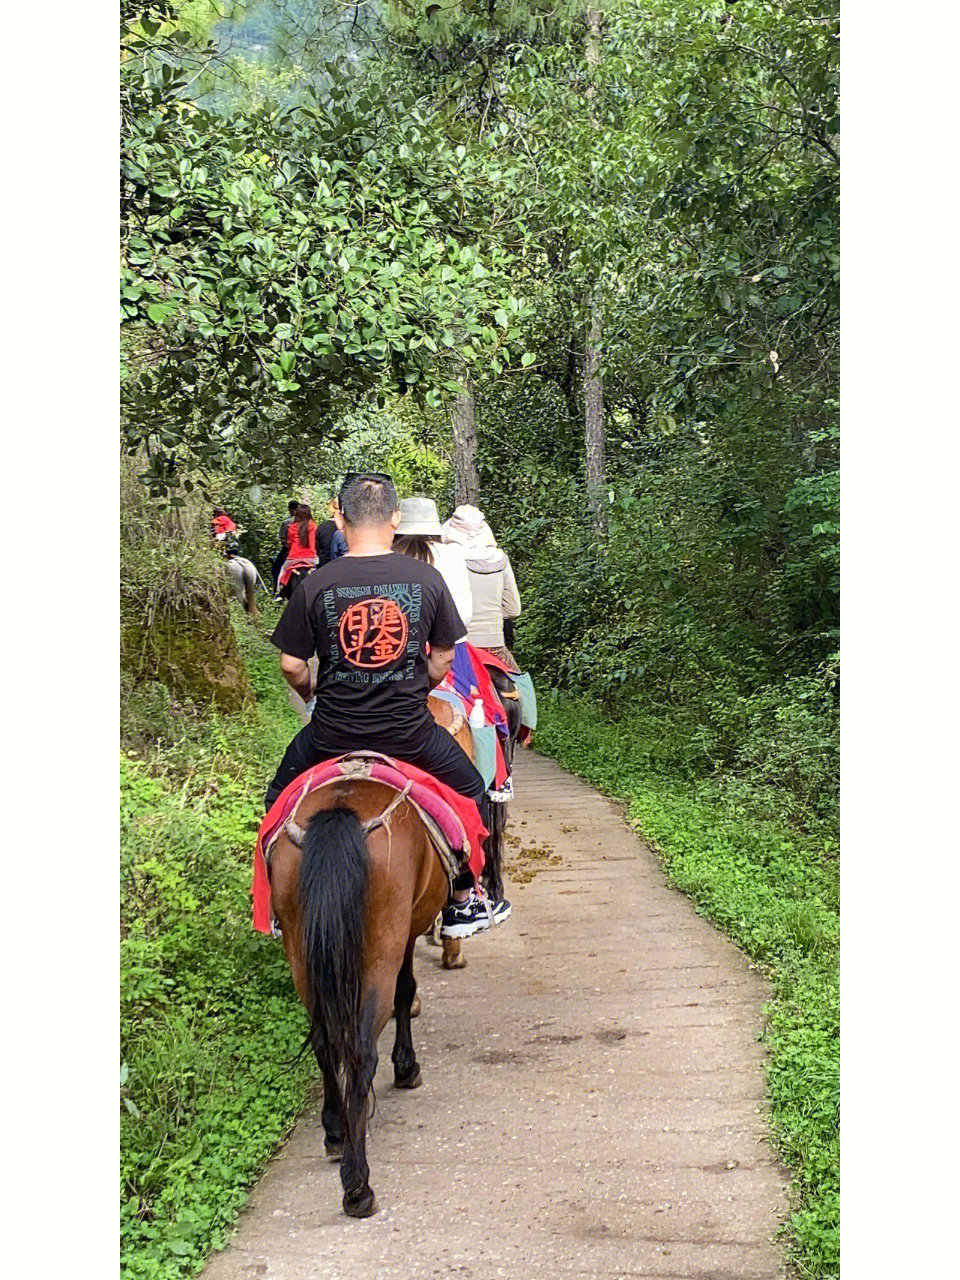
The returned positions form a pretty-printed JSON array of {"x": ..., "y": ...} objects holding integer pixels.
[{"x": 477, "y": 718}]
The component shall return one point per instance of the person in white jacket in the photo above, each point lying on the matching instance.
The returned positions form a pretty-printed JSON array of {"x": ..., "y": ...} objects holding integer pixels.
[
  {"x": 418, "y": 535},
  {"x": 492, "y": 582}
]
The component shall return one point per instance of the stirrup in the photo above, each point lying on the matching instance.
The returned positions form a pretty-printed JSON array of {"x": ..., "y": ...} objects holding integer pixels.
[{"x": 484, "y": 899}]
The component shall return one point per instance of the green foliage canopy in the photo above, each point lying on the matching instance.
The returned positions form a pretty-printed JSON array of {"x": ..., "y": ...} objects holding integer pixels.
[{"x": 283, "y": 261}]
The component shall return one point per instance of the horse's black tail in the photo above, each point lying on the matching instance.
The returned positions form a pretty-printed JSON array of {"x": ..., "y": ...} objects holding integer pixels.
[{"x": 333, "y": 882}]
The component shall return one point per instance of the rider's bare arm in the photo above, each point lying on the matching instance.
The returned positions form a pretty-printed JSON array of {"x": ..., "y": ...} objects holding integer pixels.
[
  {"x": 296, "y": 672},
  {"x": 439, "y": 663}
]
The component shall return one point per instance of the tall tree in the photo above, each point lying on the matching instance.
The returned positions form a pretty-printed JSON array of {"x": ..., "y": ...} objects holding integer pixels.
[
  {"x": 460, "y": 56},
  {"x": 281, "y": 263},
  {"x": 594, "y": 418},
  {"x": 467, "y": 483}
]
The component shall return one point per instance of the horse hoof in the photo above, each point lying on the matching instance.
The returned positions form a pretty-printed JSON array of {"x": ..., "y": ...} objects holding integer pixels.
[
  {"x": 453, "y": 957},
  {"x": 332, "y": 1150},
  {"x": 363, "y": 1206},
  {"x": 414, "y": 1082}
]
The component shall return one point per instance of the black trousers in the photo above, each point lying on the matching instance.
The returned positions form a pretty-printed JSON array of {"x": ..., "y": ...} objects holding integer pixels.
[
  {"x": 276, "y": 564},
  {"x": 436, "y": 753}
]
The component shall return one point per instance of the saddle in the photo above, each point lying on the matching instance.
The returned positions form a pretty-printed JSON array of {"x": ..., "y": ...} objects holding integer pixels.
[{"x": 451, "y": 820}]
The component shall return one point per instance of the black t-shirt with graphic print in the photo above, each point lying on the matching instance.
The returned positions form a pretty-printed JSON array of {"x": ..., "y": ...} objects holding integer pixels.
[{"x": 369, "y": 619}]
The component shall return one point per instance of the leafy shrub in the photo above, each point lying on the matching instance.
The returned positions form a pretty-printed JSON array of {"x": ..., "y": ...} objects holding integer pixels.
[
  {"x": 174, "y": 611},
  {"x": 209, "y": 1019}
]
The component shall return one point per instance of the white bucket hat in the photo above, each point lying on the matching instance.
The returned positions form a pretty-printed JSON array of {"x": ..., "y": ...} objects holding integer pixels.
[
  {"x": 418, "y": 516},
  {"x": 468, "y": 528}
]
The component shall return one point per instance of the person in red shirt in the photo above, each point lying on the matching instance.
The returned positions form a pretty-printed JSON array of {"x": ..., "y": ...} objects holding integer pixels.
[
  {"x": 225, "y": 531},
  {"x": 277, "y": 563},
  {"x": 301, "y": 550},
  {"x": 221, "y": 523},
  {"x": 302, "y": 533}
]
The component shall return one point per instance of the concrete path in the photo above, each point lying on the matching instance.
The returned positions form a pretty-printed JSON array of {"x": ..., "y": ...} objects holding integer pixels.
[{"x": 593, "y": 1091}]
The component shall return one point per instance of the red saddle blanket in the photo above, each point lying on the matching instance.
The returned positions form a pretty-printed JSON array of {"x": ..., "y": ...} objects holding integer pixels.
[
  {"x": 295, "y": 564},
  {"x": 491, "y": 660},
  {"x": 457, "y": 817}
]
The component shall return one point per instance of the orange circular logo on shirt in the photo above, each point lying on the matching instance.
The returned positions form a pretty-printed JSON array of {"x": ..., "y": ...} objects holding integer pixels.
[{"x": 373, "y": 633}]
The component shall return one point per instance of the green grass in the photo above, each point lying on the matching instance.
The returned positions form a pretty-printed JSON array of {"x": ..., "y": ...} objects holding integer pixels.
[
  {"x": 209, "y": 1018},
  {"x": 774, "y": 888}
]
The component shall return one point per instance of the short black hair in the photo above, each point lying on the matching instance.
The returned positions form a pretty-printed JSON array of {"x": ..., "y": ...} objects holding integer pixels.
[
  {"x": 368, "y": 499},
  {"x": 292, "y": 505}
]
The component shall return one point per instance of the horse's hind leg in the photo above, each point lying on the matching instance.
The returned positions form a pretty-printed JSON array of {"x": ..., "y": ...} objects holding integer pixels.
[
  {"x": 493, "y": 870},
  {"x": 332, "y": 1112},
  {"x": 358, "y": 1198},
  {"x": 406, "y": 1070}
]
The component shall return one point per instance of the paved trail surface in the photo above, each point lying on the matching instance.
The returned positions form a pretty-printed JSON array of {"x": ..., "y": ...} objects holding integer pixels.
[{"x": 593, "y": 1092}]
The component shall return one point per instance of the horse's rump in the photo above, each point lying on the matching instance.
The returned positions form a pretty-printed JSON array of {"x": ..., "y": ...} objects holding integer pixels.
[
  {"x": 450, "y": 821},
  {"x": 242, "y": 576},
  {"x": 293, "y": 571}
]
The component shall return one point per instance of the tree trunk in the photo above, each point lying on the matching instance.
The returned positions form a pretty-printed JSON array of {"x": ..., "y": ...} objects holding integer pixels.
[
  {"x": 569, "y": 380},
  {"x": 465, "y": 445},
  {"x": 594, "y": 418}
]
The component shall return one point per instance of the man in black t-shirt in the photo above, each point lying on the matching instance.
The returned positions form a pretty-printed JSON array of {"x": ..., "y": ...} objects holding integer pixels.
[{"x": 369, "y": 616}]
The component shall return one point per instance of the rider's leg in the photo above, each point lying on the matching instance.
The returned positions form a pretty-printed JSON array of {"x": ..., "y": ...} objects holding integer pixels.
[
  {"x": 301, "y": 754},
  {"x": 438, "y": 753},
  {"x": 442, "y": 756}
]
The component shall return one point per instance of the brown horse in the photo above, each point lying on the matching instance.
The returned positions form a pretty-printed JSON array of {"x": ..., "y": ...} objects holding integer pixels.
[
  {"x": 351, "y": 901},
  {"x": 298, "y": 575},
  {"x": 510, "y": 700},
  {"x": 492, "y": 879}
]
